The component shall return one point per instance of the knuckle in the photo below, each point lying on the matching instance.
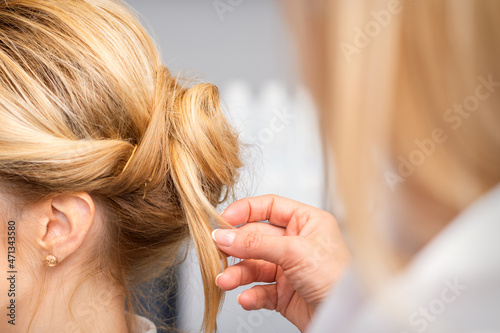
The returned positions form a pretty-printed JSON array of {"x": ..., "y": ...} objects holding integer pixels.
[{"x": 253, "y": 240}]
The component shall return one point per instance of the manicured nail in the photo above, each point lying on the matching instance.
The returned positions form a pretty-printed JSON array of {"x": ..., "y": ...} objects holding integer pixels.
[
  {"x": 217, "y": 278},
  {"x": 224, "y": 237},
  {"x": 238, "y": 299}
]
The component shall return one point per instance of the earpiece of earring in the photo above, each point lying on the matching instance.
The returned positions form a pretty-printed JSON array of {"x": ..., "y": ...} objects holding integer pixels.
[{"x": 50, "y": 261}]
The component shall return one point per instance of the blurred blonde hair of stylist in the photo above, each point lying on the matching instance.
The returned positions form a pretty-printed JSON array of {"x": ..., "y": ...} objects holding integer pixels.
[{"x": 409, "y": 97}]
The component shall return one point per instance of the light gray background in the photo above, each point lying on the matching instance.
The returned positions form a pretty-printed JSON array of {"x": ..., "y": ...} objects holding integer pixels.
[{"x": 251, "y": 42}]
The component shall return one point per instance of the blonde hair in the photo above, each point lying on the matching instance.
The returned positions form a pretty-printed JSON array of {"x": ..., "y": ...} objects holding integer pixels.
[
  {"x": 388, "y": 76},
  {"x": 87, "y": 106}
]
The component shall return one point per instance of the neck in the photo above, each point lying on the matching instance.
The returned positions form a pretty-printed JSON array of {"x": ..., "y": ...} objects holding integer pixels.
[{"x": 75, "y": 304}]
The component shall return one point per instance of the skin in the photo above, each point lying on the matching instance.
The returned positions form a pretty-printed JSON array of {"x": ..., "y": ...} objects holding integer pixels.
[
  {"x": 68, "y": 227},
  {"x": 301, "y": 253}
]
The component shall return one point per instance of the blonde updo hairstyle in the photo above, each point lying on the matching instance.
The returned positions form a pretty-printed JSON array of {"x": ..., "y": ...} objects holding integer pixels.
[{"x": 87, "y": 106}]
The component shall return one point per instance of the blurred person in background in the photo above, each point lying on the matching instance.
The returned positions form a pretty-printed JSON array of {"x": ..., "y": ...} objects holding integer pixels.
[{"x": 409, "y": 99}]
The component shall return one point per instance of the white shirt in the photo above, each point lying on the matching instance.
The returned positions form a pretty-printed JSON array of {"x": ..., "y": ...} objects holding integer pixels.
[
  {"x": 452, "y": 285},
  {"x": 144, "y": 325}
]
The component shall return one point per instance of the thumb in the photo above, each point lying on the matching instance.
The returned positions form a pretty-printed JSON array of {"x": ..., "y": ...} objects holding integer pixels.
[{"x": 253, "y": 244}]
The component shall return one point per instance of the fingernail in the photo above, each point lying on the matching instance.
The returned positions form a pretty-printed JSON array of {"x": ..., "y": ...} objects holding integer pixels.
[
  {"x": 217, "y": 278},
  {"x": 238, "y": 299},
  {"x": 222, "y": 212},
  {"x": 224, "y": 237}
]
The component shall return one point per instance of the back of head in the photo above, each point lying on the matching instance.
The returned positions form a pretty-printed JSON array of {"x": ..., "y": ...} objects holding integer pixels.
[{"x": 87, "y": 106}]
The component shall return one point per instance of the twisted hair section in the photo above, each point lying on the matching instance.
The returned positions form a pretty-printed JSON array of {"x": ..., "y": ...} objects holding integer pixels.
[{"x": 87, "y": 106}]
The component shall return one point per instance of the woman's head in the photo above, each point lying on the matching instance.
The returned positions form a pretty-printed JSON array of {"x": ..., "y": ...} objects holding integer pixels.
[
  {"x": 93, "y": 125},
  {"x": 406, "y": 105}
]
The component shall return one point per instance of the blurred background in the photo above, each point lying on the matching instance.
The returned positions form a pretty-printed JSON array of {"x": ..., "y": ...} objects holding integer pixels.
[{"x": 246, "y": 49}]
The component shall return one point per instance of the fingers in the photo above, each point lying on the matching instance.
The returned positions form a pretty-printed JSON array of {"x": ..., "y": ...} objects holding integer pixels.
[
  {"x": 272, "y": 208},
  {"x": 253, "y": 244},
  {"x": 246, "y": 272},
  {"x": 259, "y": 297},
  {"x": 262, "y": 227}
]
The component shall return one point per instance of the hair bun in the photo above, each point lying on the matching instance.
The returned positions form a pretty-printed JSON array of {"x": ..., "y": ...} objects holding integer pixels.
[{"x": 87, "y": 106}]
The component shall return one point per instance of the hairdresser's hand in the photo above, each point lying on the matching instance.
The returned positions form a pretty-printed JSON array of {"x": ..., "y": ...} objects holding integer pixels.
[{"x": 302, "y": 253}]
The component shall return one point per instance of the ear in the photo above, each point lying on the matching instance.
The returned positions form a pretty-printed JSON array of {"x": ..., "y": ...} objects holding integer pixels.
[{"x": 65, "y": 224}]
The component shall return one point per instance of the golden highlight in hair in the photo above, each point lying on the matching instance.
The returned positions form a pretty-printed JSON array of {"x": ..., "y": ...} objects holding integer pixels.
[{"x": 87, "y": 106}]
